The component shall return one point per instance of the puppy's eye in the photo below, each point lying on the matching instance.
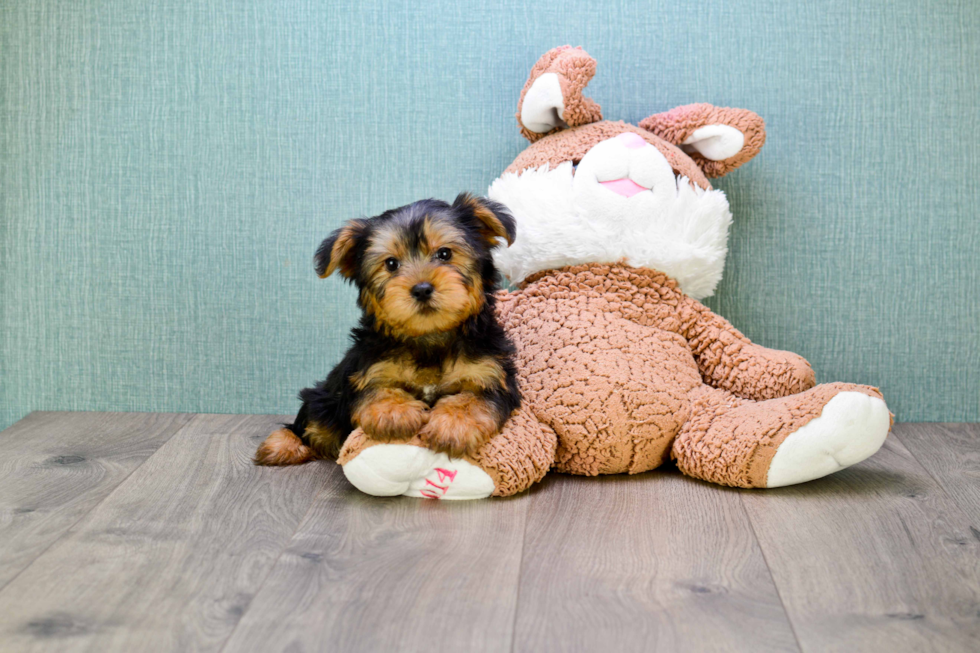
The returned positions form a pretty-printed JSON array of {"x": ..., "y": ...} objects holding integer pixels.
[
  {"x": 444, "y": 254},
  {"x": 391, "y": 264}
]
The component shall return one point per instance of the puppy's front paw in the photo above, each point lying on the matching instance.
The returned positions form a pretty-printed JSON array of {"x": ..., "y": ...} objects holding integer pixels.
[
  {"x": 459, "y": 425},
  {"x": 392, "y": 415}
]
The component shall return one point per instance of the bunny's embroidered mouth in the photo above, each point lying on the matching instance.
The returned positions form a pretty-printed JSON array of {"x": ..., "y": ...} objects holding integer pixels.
[{"x": 625, "y": 187}]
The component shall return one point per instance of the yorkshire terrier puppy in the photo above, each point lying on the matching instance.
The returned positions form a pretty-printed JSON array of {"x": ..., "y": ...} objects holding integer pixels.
[{"x": 428, "y": 357}]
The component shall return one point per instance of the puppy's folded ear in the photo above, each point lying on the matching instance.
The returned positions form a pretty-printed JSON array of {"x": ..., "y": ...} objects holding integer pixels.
[
  {"x": 495, "y": 221},
  {"x": 339, "y": 250}
]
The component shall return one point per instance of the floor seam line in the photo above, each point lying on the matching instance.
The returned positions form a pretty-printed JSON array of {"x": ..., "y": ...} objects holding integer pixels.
[
  {"x": 103, "y": 500},
  {"x": 274, "y": 564},
  {"x": 520, "y": 576},
  {"x": 775, "y": 585},
  {"x": 939, "y": 484}
]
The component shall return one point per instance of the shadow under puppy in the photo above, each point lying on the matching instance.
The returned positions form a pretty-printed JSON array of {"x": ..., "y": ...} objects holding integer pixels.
[{"x": 428, "y": 356}]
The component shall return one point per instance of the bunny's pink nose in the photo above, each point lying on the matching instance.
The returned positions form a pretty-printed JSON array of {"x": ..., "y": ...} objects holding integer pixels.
[{"x": 631, "y": 140}]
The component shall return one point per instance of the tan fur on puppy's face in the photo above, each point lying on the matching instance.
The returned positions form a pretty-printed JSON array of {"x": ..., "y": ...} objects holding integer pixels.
[{"x": 458, "y": 286}]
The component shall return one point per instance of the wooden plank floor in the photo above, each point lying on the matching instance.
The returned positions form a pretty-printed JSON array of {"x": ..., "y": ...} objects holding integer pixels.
[{"x": 144, "y": 532}]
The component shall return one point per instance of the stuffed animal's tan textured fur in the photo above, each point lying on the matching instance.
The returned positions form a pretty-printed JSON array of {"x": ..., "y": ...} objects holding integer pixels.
[{"x": 619, "y": 369}]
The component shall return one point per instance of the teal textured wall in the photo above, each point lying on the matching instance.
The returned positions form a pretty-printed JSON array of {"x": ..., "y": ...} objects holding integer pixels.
[{"x": 168, "y": 168}]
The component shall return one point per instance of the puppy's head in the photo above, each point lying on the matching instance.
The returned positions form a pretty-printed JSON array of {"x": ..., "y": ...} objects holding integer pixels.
[{"x": 423, "y": 268}]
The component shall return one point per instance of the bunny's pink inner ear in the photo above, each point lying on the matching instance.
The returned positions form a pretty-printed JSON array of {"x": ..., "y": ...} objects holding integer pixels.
[
  {"x": 552, "y": 97},
  {"x": 715, "y": 142},
  {"x": 718, "y": 139},
  {"x": 543, "y": 105}
]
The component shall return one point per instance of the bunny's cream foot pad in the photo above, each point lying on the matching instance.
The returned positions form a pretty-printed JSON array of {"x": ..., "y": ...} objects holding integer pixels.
[
  {"x": 851, "y": 427},
  {"x": 388, "y": 470}
]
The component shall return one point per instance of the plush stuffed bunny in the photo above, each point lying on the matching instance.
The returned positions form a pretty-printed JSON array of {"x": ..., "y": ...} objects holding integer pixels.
[{"x": 621, "y": 368}]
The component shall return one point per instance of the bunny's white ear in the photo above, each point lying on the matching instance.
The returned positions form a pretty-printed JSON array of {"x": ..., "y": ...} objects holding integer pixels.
[
  {"x": 552, "y": 96},
  {"x": 543, "y": 106},
  {"x": 718, "y": 139},
  {"x": 715, "y": 142}
]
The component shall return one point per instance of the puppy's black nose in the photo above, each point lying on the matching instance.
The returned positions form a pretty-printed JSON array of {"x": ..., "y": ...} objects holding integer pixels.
[{"x": 422, "y": 291}]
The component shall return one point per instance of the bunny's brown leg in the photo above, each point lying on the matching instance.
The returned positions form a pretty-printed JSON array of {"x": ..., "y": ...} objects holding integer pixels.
[{"x": 783, "y": 441}]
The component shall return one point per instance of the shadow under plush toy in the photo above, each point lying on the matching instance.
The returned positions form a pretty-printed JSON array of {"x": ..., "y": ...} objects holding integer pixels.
[{"x": 621, "y": 369}]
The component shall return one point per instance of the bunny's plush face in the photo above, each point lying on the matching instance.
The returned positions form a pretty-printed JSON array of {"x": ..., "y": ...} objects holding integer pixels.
[
  {"x": 622, "y": 200},
  {"x": 604, "y": 191}
]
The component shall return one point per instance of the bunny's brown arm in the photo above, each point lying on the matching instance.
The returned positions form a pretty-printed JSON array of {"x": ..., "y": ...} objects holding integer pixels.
[{"x": 730, "y": 361}]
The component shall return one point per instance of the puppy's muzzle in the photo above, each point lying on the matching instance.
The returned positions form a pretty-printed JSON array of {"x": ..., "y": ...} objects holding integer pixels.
[{"x": 422, "y": 291}]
